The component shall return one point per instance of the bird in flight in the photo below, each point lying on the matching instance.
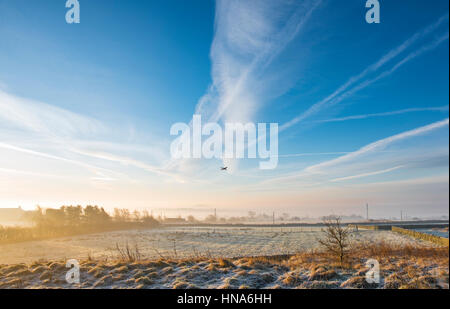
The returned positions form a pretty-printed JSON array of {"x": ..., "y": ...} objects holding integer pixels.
[{"x": 224, "y": 168}]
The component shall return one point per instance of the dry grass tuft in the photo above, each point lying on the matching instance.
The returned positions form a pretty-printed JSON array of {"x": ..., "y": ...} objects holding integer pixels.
[
  {"x": 225, "y": 263},
  {"x": 144, "y": 281},
  {"x": 211, "y": 267},
  {"x": 358, "y": 282},
  {"x": 291, "y": 279},
  {"x": 322, "y": 274}
]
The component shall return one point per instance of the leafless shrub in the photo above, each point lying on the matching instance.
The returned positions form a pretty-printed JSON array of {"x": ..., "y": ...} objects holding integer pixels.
[
  {"x": 129, "y": 254},
  {"x": 159, "y": 253},
  {"x": 174, "y": 247},
  {"x": 336, "y": 237}
]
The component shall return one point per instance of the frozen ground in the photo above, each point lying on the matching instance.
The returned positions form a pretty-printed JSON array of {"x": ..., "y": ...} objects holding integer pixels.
[
  {"x": 184, "y": 242},
  {"x": 425, "y": 268}
]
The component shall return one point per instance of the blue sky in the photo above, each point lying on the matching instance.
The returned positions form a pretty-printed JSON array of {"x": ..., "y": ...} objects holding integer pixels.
[{"x": 86, "y": 108}]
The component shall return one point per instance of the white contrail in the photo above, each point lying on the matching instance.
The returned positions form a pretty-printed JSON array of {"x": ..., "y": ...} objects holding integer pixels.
[
  {"x": 321, "y": 168},
  {"x": 340, "y": 92},
  {"x": 387, "y": 73},
  {"x": 380, "y": 144},
  {"x": 316, "y": 107},
  {"x": 398, "y": 112},
  {"x": 49, "y": 156},
  {"x": 128, "y": 161},
  {"x": 367, "y": 174},
  {"x": 237, "y": 86},
  {"x": 20, "y": 172},
  {"x": 312, "y": 154}
]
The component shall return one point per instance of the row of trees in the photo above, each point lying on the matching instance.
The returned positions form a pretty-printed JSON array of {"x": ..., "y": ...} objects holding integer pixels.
[
  {"x": 75, "y": 216},
  {"x": 74, "y": 220}
]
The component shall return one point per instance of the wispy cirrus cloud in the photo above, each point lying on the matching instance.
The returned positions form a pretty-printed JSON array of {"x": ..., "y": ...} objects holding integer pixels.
[
  {"x": 55, "y": 157},
  {"x": 45, "y": 119},
  {"x": 379, "y": 157},
  {"x": 248, "y": 37},
  {"x": 378, "y": 145},
  {"x": 346, "y": 90},
  {"x": 127, "y": 161},
  {"x": 58, "y": 134}
]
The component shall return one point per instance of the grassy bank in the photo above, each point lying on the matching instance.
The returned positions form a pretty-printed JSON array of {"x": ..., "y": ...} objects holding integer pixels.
[{"x": 428, "y": 237}]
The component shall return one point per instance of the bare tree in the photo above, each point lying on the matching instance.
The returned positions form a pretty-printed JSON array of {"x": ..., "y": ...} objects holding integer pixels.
[{"x": 336, "y": 239}]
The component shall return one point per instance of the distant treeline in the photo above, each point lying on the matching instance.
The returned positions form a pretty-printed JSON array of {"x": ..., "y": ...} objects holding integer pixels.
[
  {"x": 73, "y": 220},
  {"x": 253, "y": 217}
]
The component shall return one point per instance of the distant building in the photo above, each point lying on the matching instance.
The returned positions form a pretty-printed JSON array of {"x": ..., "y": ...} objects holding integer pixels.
[
  {"x": 174, "y": 220},
  {"x": 11, "y": 214}
]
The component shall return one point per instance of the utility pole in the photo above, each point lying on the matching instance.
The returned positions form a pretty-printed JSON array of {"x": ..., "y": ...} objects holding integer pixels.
[
  {"x": 273, "y": 218},
  {"x": 401, "y": 215},
  {"x": 215, "y": 213},
  {"x": 367, "y": 211}
]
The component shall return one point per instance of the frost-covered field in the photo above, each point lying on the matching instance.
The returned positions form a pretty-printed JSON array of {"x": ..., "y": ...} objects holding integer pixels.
[{"x": 186, "y": 242}]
